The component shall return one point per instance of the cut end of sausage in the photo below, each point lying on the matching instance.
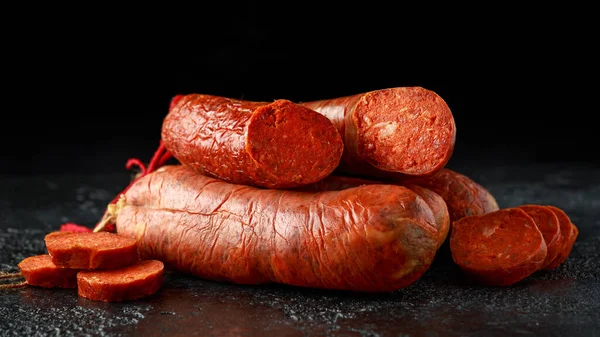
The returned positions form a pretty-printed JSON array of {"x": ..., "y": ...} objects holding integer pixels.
[
  {"x": 89, "y": 250},
  {"x": 294, "y": 144},
  {"x": 409, "y": 130},
  {"x": 132, "y": 282},
  {"x": 499, "y": 248},
  {"x": 39, "y": 271}
]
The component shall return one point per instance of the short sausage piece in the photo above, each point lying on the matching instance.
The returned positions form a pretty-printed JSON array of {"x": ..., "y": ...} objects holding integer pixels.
[
  {"x": 141, "y": 279},
  {"x": 547, "y": 222},
  {"x": 499, "y": 248},
  {"x": 408, "y": 130},
  {"x": 275, "y": 145},
  {"x": 433, "y": 200},
  {"x": 88, "y": 250},
  {"x": 41, "y": 272},
  {"x": 569, "y": 233},
  {"x": 463, "y": 196},
  {"x": 375, "y": 238}
]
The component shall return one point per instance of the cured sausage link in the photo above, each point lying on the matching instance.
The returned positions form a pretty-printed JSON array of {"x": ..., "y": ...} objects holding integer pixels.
[
  {"x": 408, "y": 130},
  {"x": 275, "y": 145},
  {"x": 371, "y": 238}
]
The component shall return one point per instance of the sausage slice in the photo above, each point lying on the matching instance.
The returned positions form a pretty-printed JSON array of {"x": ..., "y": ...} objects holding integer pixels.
[
  {"x": 547, "y": 222},
  {"x": 569, "y": 234},
  {"x": 499, "y": 248},
  {"x": 89, "y": 250},
  {"x": 128, "y": 283},
  {"x": 41, "y": 272}
]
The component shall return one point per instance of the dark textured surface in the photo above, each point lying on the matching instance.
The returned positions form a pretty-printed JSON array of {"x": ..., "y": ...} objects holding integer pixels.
[{"x": 562, "y": 302}]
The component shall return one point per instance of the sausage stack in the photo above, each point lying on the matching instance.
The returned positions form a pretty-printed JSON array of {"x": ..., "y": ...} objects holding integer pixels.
[{"x": 350, "y": 193}]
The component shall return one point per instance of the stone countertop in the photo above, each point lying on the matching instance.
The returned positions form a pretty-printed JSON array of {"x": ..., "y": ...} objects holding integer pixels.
[{"x": 562, "y": 302}]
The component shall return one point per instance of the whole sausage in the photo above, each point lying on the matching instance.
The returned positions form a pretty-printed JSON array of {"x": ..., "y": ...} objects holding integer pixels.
[
  {"x": 499, "y": 248},
  {"x": 274, "y": 145},
  {"x": 374, "y": 238},
  {"x": 547, "y": 222},
  {"x": 408, "y": 130},
  {"x": 39, "y": 271},
  {"x": 569, "y": 233},
  {"x": 88, "y": 250},
  {"x": 433, "y": 200},
  {"x": 463, "y": 195},
  {"x": 141, "y": 279}
]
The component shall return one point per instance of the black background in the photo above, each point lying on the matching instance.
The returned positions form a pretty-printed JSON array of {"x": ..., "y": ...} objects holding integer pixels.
[{"x": 85, "y": 92}]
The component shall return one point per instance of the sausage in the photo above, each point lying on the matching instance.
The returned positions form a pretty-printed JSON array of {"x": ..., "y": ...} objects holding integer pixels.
[
  {"x": 274, "y": 145},
  {"x": 499, "y": 248},
  {"x": 463, "y": 195},
  {"x": 569, "y": 233},
  {"x": 41, "y": 272},
  {"x": 433, "y": 200},
  {"x": 89, "y": 250},
  {"x": 547, "y": 222},
  {"x": 142, "y": 279},
  {"x": 408, "y": 130},
  {"x": 439, "y": 209},
  {"x": 374, "y": 238}
]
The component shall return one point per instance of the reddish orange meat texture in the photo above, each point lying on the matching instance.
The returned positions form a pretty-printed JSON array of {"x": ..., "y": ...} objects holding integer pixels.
[
  {"x": 500, "y": 248},
  {"x": 377, "y": 238}
]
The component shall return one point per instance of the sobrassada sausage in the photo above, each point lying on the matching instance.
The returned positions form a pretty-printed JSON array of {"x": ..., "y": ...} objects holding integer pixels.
[
  {"x": 408, "y": 130},
  {"x": 499, "y": 248},
  {"x": 374, "y": 238},
  {"x": 138, "y": 280},
  {"x": 547, "y": 222},
  {"x": 274, "y": 145},
  {"x": 39, "y": 271},
  {"x": 433, "y": 200},
  {"x": 569, "y": 233},
  {"x": 463, "y": 195},
  {"x": 88, "y": 250}
]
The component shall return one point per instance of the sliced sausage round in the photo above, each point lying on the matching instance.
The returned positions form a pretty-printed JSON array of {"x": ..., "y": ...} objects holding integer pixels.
[{"x": 500, "y": 248}]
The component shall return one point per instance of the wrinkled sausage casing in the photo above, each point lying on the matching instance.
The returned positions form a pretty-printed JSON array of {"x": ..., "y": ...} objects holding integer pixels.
[
  {"x": 275, "y": 145},
  {"x": 376, "y": 238},
  {"x": 408, "y": 130},
  {"x": 433, "y": 200},
  {"x": 463, "y": 196}
]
